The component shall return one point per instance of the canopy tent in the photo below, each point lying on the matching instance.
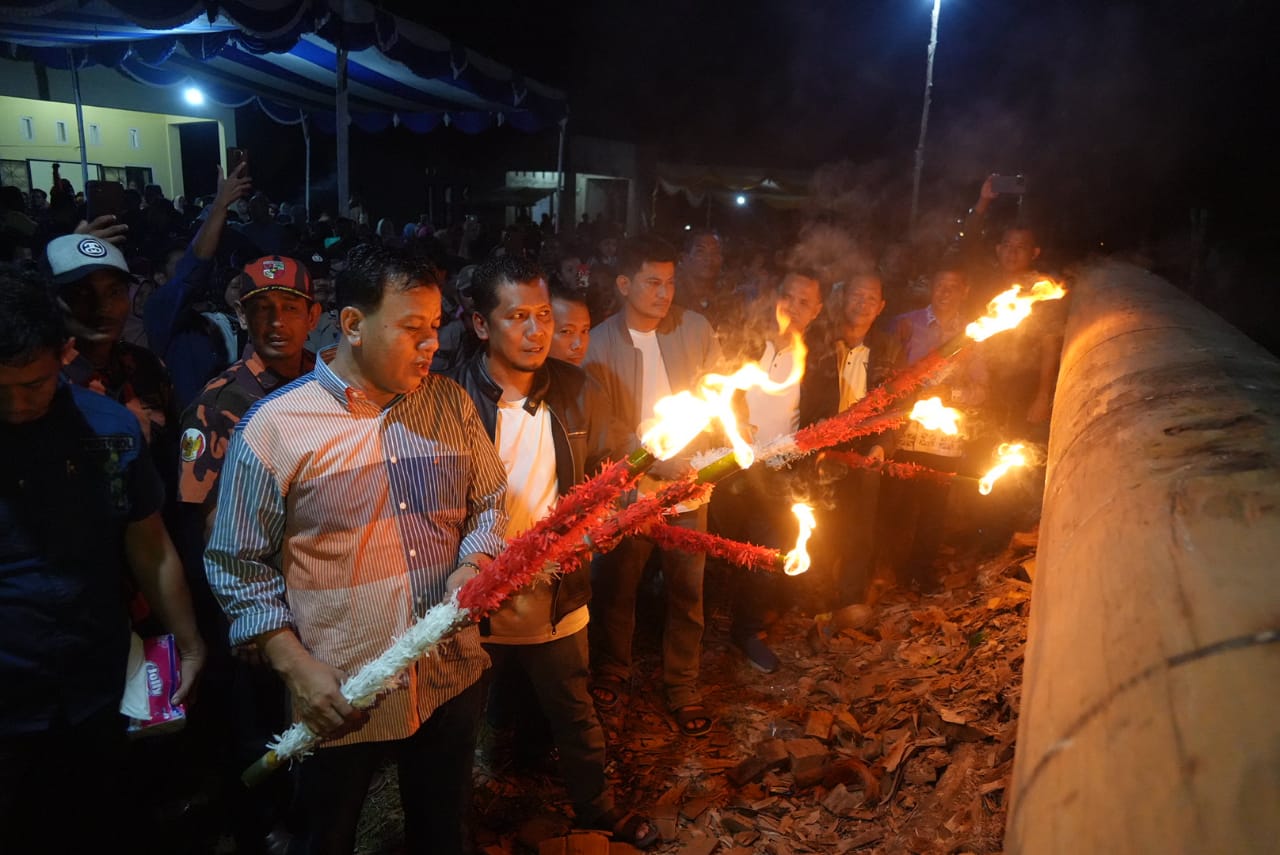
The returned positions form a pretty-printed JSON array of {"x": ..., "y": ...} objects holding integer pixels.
[
  {"x": 322, "y": 63},
  {"x": 786, "y": 189}
]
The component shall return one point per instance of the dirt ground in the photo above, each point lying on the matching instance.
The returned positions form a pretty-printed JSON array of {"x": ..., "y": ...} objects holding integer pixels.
[{"x": 888, "y": 729}]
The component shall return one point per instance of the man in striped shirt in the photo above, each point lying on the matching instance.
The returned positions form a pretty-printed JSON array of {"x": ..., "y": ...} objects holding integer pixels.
[{"x": 351, "y": 500}]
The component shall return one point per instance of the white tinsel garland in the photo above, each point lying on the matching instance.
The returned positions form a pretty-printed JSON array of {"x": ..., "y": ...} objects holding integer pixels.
[{"x": 363, "y": 688}]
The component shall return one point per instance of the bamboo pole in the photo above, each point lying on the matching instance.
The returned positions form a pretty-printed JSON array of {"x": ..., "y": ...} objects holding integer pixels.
[{"x": 1152, "y": 673}]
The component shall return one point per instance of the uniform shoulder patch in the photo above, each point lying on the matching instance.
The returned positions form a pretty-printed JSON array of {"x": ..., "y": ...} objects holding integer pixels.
[{"x": 193, "y": 445}]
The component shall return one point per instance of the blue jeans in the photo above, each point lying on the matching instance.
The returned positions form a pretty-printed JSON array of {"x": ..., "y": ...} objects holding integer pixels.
[
  {"x": 435, "y": 784},
  {"x": 615, "y": 580}
]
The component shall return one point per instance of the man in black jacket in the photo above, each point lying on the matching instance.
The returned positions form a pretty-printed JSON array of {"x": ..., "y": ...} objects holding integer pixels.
[
  {"x": 842, "y": 366},
  {"x": 550, "y": 425}
]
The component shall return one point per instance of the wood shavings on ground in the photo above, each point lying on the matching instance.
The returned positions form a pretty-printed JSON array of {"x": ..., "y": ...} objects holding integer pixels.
[{"x": 888, "y": 729}]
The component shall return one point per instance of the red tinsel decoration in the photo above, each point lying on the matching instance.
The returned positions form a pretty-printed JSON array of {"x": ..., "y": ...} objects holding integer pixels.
[
  {"x": 646, "y": 510},
  {"x": 891, "y": 468},
  {"x": 852, "y": 423},
  {"x": 586, "y": 504},
  {"x": 834, "y": 431},
  {"x": 742, "y": 554},
  {"x": 586, "y": 509}
]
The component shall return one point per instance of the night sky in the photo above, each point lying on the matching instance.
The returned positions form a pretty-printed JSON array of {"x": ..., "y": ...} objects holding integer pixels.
[{"x": 1125, "y": 116}]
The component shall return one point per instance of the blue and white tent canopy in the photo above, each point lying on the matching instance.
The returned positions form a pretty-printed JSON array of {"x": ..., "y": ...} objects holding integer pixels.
[{"x": 283, "y": 55}]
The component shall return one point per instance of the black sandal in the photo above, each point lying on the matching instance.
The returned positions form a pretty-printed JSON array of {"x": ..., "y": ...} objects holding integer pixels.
[
  {"x": 606, "y": 692},
  {"x": 627, "y": 827},
  {"x": 693, "y": 719}
]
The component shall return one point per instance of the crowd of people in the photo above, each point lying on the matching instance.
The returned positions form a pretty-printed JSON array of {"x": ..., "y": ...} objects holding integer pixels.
[{"x": 283, "y": 440}]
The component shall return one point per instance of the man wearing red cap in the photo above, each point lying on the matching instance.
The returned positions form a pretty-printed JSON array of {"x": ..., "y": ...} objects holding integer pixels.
[{"x": 278, "y": 308}]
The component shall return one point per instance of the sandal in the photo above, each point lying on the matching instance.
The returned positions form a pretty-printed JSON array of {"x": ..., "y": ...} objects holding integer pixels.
[
  {"x": 693, "y": 719},
  {"x": 627, "y": 827},
  {"x": 606, "y": 692}
]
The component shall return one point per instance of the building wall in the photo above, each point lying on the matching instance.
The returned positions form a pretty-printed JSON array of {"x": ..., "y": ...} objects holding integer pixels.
[{"x": 116, "y": 105}]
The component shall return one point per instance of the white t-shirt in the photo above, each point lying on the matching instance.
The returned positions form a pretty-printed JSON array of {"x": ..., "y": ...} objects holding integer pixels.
[
  {"x": 853, "y": 376},
  {"x": 655, "y": 384},
  {"x": 775, "y": 415},
  {"x": 528, "y": 453},
  {"x": 526, "y": 446}
]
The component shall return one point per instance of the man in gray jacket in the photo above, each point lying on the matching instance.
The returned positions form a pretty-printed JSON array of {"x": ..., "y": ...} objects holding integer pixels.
[{"x": 645, "y": 352}]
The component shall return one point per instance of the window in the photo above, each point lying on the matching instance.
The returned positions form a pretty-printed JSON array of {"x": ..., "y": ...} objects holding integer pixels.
[
  {"x": 14, "y": 173},
  {"x": 137, "y": 177},
  {"x": 60, "y": 131},
  {"x": 27, "y": 127},
  {"x": 135, "y": 139},
  {"x": 94, "y": 135}
]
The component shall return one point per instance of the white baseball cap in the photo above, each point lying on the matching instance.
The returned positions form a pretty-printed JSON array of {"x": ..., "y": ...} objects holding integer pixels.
[{"x": 73, "y": 257}]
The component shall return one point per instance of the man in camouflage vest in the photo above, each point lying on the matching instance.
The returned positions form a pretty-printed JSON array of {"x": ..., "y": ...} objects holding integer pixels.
[{"x": 278, "y": 307}]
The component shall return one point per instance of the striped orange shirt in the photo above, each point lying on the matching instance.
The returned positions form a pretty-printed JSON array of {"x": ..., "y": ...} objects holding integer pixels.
[{"x": 342, "y": 520}]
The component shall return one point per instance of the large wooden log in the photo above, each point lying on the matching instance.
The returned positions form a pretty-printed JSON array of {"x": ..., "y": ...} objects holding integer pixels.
[{"x": 1150, "y": 717}]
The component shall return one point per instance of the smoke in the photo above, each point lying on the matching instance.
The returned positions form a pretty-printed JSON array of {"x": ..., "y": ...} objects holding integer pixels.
[{"x": 832, "y": 252}]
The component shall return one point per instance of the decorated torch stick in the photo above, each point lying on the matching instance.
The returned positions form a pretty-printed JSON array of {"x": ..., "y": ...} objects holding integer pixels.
[
  {"x": 582, "y": 514},
  {"x": 1004, "y": 312},
  {"x": 748, "y": 555},
  {"x": 552, "y": 545},
  {"x": 526, "y": 556}
]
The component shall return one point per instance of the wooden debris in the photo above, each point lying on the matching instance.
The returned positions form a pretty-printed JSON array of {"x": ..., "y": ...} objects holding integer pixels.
[
  {"x": 819, "y": 725},
  {"x": 577, "y": 843},
  {"x": 896, "y": 736}
]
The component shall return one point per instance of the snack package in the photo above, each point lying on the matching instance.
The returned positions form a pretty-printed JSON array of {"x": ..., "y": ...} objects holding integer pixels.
[{"x": 151, "y": 681}]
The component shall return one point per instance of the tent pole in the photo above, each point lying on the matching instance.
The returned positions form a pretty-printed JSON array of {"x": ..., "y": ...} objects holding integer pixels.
[
  {"x": 306, "y": 138},
  {"x": 84, "y": 152},
  {"x": 344, "y": 151},
  {"x": 564, "y": 131}
]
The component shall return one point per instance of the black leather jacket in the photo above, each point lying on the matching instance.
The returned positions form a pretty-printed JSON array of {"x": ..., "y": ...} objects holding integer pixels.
[
  {"x": 580, "y": 428},
  {"x": 820, "y": 388}
]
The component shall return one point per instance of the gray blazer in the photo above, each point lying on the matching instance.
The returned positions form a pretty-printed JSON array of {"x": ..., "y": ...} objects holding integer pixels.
[{"x": 689, "y": 350}]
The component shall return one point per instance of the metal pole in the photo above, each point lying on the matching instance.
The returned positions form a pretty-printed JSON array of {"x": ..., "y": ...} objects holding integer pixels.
[
  {"x": 344, "y": 164},
  {"x": 306, "y": 137},
  {"x": 84, "y": 152},
  {"x": 564, "y": 132},
  {"x": 924, "y": 114}
]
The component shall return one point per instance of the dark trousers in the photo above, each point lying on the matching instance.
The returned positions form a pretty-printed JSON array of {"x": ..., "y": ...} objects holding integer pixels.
[
  {"x": 559, "y": 675},
  {"x": 754, "y": 507},
  {"x": 65, "y": 789},
  {"x": 847, "y": 532},
  {"x": 914, "y": 513},
  {"x": 615, "y": 579},
  {"x": 434, "y": 767}
]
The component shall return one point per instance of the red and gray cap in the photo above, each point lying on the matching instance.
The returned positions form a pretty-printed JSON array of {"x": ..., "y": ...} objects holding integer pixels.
[
  {"x": 277, "y": 273},
  {"x": 73, "y": 257}
]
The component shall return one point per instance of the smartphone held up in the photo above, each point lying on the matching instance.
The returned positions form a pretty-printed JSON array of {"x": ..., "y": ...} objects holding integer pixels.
[
  {"x": 1009, "y": 185},
  {"x": 102, "y": 198},
  {"x": 235, "y": 157}
]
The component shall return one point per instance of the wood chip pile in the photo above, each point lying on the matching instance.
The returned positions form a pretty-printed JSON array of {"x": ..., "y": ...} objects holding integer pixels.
[{"x": 888, "y": 729}]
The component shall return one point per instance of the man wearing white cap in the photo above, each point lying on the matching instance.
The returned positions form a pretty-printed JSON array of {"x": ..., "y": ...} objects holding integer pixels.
[{"x": 92, "y": 279}]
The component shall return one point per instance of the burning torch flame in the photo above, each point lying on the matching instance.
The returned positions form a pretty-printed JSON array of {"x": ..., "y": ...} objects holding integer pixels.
[
  {"x": 683, "y": 416},
  {"x": 1008, "y": 456},
  {"x": 797, "y": 560},
  {"x": 933, "y": 416},
  {"x": 1011, "y": 308}
]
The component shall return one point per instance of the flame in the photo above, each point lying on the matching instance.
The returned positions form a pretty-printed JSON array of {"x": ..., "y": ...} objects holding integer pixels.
[
  {"x": 1008, "y": 456},
  {"x": 933, "y": 416},
  {"x": 681, "y": 417},
  {"x": 1011, "y": 308},
  {"x": 797, "y": 560}
]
